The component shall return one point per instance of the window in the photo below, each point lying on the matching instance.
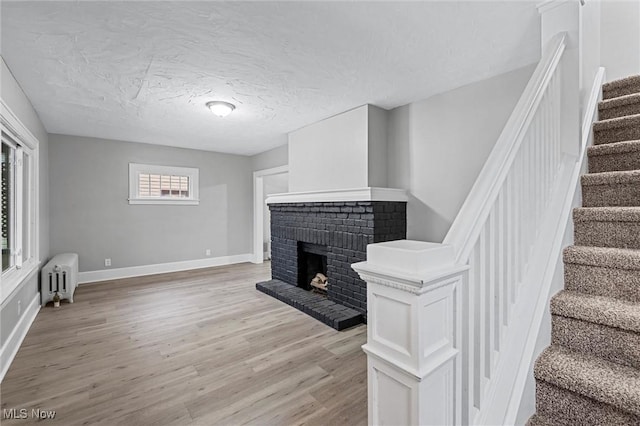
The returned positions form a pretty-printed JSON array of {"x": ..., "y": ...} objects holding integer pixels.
[
  {"x": 150, "y": 184},
  {"x": 18, "y": 230}
]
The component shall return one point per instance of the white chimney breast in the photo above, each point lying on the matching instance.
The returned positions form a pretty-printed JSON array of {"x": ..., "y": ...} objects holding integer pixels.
[{"x": 342, "y": 152}]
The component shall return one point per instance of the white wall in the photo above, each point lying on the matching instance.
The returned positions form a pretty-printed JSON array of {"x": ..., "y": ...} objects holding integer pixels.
[
  {"x": 438, "y": 146},
  {"x": 620, "y": 42},
  {"x": 330, "y": 154},
  {"x": 341, "y": 152}
]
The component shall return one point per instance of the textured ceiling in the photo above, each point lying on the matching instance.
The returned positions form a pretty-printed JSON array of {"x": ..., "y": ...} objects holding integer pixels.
[{"x": 143, "y": 71}]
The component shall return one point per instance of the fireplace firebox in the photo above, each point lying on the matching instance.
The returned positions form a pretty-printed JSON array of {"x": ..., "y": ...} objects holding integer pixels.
[
  {"x": 327, "y": 237},
  {"x": 312, "y": 259}
]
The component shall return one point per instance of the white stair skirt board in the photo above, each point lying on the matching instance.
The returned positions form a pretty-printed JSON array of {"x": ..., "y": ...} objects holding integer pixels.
[
  {"x": 13, "y": 342},
  {"x": 161, "y": 268}
]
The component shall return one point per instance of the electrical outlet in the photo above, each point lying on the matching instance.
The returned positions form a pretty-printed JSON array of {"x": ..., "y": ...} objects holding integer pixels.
[
  {"x": 207, "y": 252},
  {"x": 107, "y": 262},
  {"x": 19, "y": 307}
]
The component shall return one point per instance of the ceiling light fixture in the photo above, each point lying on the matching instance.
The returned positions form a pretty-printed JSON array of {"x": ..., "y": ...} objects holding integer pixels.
[{"x": 221, "y": 108}]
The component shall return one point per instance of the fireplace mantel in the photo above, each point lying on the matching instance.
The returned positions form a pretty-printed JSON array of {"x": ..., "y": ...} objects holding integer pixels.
[{"x": 340, "y": 195}]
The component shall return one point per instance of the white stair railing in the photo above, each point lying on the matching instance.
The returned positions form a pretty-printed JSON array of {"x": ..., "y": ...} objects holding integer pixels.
[
  {"x": 523, "y": 162},
  {"x": 498, "y": 230},
  {"x": 449, "y": 324}
]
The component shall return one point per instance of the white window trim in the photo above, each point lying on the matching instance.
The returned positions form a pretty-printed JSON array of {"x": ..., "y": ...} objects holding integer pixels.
[
  {"x": 135, "y": 169},
  {"x": 14, "y": 277}
]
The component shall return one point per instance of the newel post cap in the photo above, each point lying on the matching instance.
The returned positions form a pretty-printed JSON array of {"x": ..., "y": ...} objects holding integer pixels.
[
  {"x": 410, "y": 265},
  {"x": 407, "y": 256}
]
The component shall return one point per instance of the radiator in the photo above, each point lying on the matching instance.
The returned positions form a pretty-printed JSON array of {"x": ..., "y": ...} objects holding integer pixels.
[{"x": 60, "y": 275}]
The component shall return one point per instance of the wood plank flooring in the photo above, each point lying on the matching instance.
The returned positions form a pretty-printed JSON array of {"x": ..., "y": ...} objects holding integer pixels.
[{"x": 190, "y": 348}]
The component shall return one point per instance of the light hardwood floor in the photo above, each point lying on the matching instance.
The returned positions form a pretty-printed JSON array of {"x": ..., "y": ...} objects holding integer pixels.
[{"x": 190, "y": 348}]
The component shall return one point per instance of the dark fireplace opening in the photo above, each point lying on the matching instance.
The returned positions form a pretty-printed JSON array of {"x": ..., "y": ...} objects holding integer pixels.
[{"x": 312, "y": 259}]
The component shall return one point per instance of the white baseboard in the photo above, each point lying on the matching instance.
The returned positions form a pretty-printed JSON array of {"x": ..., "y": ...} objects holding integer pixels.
[
  {"x": 161, "y": 268},
  {"x": 12, "y": 344}
]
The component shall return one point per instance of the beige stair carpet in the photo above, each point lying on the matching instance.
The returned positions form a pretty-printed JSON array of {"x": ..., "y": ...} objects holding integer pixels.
[
  {"x": 620, "y": 106},
  {"x": 590, "y": 375},
  {"x": 622, "y": 87},
  {"x": 617, "y": 129},
  {"x": 619, "y": 156}
]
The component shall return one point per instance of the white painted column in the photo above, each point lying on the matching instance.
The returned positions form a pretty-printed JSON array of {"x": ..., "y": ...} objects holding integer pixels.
[{"x": 413, "y": 334}]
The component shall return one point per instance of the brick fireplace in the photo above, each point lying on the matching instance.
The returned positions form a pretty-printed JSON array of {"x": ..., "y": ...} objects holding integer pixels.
[{"x": 308, "y": 236}]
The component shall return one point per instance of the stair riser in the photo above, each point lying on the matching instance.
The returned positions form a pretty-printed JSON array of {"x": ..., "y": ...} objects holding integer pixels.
[
  {"x": 614, "y": 195},
  {"x": 614, "y": 162},
  {"x": 620, "y": 91},
  {"x": 608, "y": 234},
  {"x": 568, "y": 408},
  {"x": 619, "y": 134},
  {"x": 622, "y": 284},
  {"x": 612, "y": 344},
  {"x": 621, "y": 111}
]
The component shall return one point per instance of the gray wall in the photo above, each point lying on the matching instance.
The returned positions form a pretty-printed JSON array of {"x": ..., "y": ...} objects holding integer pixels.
[
  {"x": 438, "y": 146},
  {"x": 275, "y": 157},
  {"x": 377, "y": 121},
  {"x": 90, "y": 214},
  {"x": 620, "y": 38},
  {"x": 14, "y": 97}
]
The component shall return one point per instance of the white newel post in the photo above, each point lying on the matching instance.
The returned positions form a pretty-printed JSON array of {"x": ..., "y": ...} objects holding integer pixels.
[{"x": 414, "y": 333}]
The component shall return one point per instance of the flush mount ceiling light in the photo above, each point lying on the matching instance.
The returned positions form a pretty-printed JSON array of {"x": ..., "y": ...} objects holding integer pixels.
[{"x": 221, "y": 108}]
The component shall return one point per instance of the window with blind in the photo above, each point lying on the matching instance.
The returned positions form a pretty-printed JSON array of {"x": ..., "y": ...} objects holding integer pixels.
[{"x": 152, "y": 184}]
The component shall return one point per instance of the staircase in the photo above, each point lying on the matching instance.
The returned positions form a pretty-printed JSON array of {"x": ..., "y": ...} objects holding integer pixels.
[{"x": 590, "y": 375}]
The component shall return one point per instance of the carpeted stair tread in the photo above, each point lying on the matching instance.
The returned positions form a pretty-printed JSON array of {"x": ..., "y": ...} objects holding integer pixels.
[
  {"x": 606, "y": 214},
  {"x": 611, "y": 178},
  {"x": 623, "y": 100},
  {"x": 590, "y": 376},
  {"x": 603, "y": 271},
  {"x": 597, "y": 309},
  {"x": 614, "y": 148},
  {"x": 610, "y": 343},
  {"x": 617, "y": 129},
  {"x": 608, "y": 257},
  {"x": 617, "y": 156},
  {"x": 616, "y": 123},
  {"x": 611, "y": 188},
  {"x": 565, "y": 408},
  {"x": 621, "y": 87},
  {"x": 607, "y": 227},
  {"x": 619, "y": 107}
]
